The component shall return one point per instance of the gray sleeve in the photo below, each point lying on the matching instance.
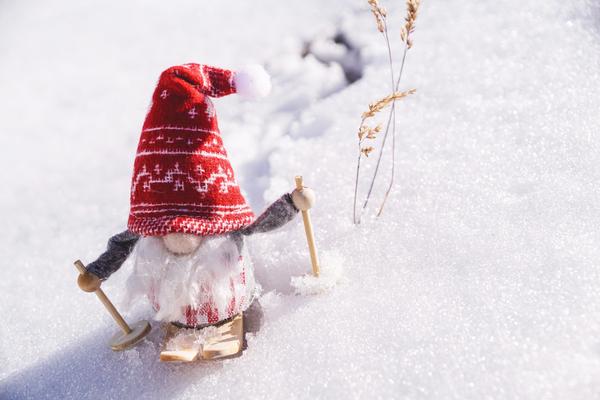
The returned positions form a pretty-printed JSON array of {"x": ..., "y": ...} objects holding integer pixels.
[
  {"x": 118, "y": 249},
  {"x": 278, "y": 214}
]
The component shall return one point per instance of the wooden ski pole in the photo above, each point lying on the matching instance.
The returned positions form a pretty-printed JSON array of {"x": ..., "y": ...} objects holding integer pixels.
[
  {"x": 310, "y": 237},
  {"x": 131, "y": 334},
  {"x": 107, "y": 303}
]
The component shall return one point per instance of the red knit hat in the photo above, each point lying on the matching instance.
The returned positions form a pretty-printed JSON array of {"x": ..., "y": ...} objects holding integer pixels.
[{"x": 182, "y": 180}]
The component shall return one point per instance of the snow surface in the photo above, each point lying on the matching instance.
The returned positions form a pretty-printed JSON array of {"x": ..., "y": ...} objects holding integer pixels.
[{"x": 481, "y": 279}]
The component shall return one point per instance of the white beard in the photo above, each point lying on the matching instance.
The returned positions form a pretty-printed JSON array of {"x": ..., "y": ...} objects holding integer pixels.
[{"x": 211, "y": 274}]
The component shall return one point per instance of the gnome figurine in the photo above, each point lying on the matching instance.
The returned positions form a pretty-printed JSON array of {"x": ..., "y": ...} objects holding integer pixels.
[{"x": 188, "y": 219}]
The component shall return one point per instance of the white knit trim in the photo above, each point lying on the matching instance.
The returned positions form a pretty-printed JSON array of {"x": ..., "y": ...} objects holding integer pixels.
[
  {"x": 223, "y": 213},
  {"x": 237, "y": 206},
  {"x": 175, "y": 152},
  {"x": 180, "y": 128}
]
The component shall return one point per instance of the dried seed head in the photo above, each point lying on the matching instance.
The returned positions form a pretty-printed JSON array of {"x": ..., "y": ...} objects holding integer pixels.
[
  {"x": 362, "y": 131},
  {"x": 379, "y": 105},
  {"x": 380, "y": 13},
  {"x": 412, "y": 9},
  {"x": 366, "y": 132},
  {"x": 366, "y": 150},
  {"x": 372, "y": 133}
]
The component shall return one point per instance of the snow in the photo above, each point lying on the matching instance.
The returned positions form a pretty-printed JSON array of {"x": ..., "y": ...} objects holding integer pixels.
[
  {"x": 479, "y": 281},
  {"x": 190, "y": 339},
  {"x": 331, "y": 269}
]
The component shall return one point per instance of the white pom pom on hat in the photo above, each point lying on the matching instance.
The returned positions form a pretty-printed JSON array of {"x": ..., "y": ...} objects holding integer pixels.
[{"x": 252, "y": 82}]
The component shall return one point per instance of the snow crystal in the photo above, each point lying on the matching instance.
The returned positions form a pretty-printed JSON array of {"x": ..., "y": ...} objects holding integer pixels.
[{"x": 132, "y": 357}]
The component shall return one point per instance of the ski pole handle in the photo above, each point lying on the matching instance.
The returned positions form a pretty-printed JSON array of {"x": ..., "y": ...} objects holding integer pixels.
[
  {"x": 310, "y": 237},
  {"x": 107, "y": 303}
]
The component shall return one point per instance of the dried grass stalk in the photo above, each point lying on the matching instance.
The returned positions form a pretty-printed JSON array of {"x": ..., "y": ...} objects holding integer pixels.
[{"x": 365, "y": 132}]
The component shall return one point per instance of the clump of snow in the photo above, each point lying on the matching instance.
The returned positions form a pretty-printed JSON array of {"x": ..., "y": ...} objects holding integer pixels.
[
  {"x": 330, "y": 274},
  {"x": 190, "y": 339}
]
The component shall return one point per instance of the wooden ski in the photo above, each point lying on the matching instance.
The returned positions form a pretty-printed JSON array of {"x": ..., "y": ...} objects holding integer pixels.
[{"x": 227, "y": 342}]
